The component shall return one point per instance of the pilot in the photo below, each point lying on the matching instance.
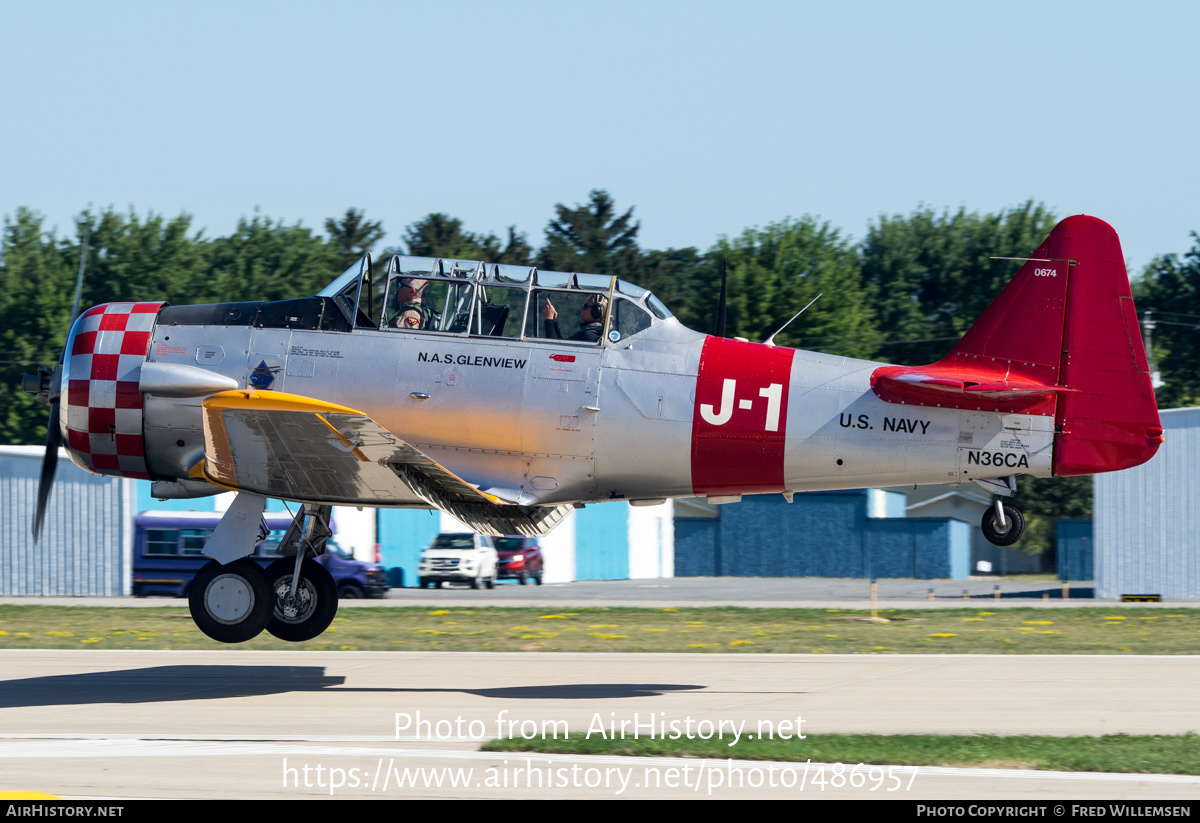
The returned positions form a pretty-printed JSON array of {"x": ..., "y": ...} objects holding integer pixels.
[
  {"x": 413, "y": 313},
  {"x": 591, "y": 320}
]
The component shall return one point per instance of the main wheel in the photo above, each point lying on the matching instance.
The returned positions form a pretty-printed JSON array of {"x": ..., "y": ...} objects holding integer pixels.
[
  {"x": 230, "y": 603},
  {"x": 1015, "y": 526},
  {"x": 314, "y": 606}
]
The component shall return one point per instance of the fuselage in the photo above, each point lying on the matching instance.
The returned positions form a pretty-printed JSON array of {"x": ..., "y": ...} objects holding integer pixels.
[
  {"x": 541, "y": 388},
  {"x": 663, "y": 413}
]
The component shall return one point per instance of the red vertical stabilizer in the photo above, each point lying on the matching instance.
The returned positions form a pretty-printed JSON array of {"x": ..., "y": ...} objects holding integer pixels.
[{"x": 1111, "y": 420}]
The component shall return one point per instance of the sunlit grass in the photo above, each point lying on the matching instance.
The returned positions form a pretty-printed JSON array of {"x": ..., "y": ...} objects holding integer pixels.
[
  {"x": 726, "y": 630},
  {"x": 1140, "y": 754}
]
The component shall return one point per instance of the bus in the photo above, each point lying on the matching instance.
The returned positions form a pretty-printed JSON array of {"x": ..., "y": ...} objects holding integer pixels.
[{"x": 168, "y": 551}]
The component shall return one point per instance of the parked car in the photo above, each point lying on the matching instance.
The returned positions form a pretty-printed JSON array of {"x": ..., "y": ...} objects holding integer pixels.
[
  {"x": 168, "y": 551},
  {"x": 458, "y": 558},
  {"x": 355, "y": 578},
  {"x": 518, "y": 558}
]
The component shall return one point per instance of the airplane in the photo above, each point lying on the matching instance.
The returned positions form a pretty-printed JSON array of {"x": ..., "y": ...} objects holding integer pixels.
[{"x": 507, "y": 396}]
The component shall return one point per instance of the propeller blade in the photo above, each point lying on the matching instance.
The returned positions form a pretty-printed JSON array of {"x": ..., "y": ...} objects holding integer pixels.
[
  {"x": 79, "y": 280},
  {"x": 49, "y": 465},
  {"x": 53, "y": 427}
]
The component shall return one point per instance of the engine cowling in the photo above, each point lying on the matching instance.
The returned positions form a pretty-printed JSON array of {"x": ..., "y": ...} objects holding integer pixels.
[{"x": 101, "y": 405}]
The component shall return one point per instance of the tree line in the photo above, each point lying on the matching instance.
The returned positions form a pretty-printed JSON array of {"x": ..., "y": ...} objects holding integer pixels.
[{"x": 904, "y": 294}]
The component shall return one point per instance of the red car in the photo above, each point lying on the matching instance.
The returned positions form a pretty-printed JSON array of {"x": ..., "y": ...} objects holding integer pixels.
[{"x": 518, "y": 558}]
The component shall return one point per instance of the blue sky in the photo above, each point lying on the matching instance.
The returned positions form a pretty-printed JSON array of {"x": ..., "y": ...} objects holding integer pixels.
[{"x": 706, "y": 117}]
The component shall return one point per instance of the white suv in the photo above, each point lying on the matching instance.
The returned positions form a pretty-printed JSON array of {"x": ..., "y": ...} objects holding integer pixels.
[{"x": 458, "y": 558}]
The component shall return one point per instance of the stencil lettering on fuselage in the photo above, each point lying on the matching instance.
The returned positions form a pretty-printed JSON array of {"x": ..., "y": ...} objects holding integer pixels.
[{"x": 739, "y": 422}]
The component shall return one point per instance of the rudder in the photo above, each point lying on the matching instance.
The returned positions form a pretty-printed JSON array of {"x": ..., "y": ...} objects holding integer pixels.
[{"x": 1110, "y": 421}]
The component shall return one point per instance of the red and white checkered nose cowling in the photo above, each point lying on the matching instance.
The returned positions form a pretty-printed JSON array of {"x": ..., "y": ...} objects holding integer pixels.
[{"x": 101, "y": 406}]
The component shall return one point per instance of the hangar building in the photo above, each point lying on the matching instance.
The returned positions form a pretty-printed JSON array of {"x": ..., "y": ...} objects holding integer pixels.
[
  {"x": 88, "y": 534},
  {"x": 1145, "y": 519}
]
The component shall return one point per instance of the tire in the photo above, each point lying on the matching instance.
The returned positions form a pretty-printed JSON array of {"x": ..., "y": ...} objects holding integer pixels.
[
  {"x": 524, "y": 578},
  {"x": 437, "y": 584},
  {"x": 1005, "y": 537},
  {"x": 538, "y": 578},
  {"x": 316, "y": 600},
  {"x": 475, "y": 583},
  {"x": 231, "y": 603},
  {"x": 491, "y": 583},
  {"x": 349, "y": 591},
  {"x": 422, "y": 582}
]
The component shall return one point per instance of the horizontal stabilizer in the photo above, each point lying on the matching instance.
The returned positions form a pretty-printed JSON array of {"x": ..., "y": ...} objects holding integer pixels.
[{"x": 941, "y": 386}]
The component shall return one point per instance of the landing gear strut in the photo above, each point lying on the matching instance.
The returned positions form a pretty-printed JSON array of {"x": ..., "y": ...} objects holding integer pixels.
[
  {"x": 1003, "y": 524},
  {"x": 303, "y": 593},
  {"x": 309, "y": 611},
  {"x": 295, "y": 598}
]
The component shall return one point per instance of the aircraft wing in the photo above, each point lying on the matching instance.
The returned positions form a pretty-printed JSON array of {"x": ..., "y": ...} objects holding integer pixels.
[{"x": 297, "y": 448}]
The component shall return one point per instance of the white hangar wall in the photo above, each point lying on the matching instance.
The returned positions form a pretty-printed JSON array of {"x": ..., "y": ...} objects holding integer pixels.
[{"x": 1146, "y": 518}]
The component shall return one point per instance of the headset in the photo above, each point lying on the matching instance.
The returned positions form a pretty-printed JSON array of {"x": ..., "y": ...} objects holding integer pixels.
[{"x": 598, "y": 302}]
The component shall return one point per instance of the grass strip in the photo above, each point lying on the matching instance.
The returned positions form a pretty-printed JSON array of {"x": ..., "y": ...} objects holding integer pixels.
[
  {"x": 1133, "y": 754},
  {"x": 1112, "y": 629}
]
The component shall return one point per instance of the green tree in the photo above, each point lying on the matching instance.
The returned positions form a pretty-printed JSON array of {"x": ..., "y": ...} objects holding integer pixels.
[
  {"x": 591, "y": 237},
  {"x": 353, "y": 235},
  {"x": 1169, "y": 289},
  {"x": 440, "y": 235},
  {"x": 931, "y": 275},
  {"x": 516, "y": 250},
  {"x": 672, "y": 275},
  {"x": 38, "y": 281},
  {"x": 773, "y": 273},
  {"x": 266, "y": 260},
  {"x": 141, "y": 260}
]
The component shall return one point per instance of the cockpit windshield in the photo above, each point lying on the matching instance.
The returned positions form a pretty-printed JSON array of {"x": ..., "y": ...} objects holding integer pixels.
[
  {"x": 347, "y": 291},
  {"x": 472, "y": 299}
]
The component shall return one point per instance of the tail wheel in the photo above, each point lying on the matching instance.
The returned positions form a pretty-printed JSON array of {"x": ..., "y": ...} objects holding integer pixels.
[
  {"x": 1008, "y": 534},
  {"x": 311, "y": 610},
  {"x": 231, "y": 603}
]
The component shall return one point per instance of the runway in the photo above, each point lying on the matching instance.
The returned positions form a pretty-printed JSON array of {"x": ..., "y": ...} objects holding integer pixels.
[{"x": 234, "y": 724}]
